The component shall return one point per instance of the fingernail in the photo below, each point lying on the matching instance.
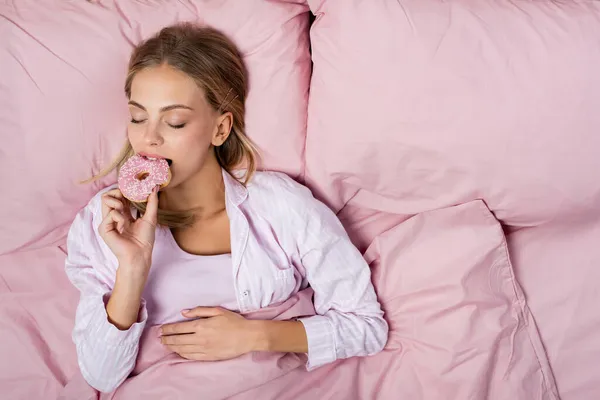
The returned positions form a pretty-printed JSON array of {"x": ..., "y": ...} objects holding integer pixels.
[
  {"x": 160, "y": 332},
  {"x": 155, "y": 190},
  {"x": 186, "y": 311}
]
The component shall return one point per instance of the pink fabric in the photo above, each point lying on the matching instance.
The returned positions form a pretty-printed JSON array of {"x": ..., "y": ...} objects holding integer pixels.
[
  {"x": 435, "y": 103},
  {"x": 415, "y": 105},
  {"x": 155, "y": 364},
  {"x": 62, "y": 108},
  {"x": 559, "y": 271},
  {"x": 206, "y": 281},
  {"x": 274, "y": 254},
  {"x": 459, "y": 326},
  {"x": 459, "y": 329},
  {"x": 37, "y": 305}
]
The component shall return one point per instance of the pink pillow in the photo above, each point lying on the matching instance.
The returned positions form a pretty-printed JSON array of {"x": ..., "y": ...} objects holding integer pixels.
[
  {"x": 456, "y": 311},
  {"x": 63, "y": 111},
  {"x": 420, "y": 104}
]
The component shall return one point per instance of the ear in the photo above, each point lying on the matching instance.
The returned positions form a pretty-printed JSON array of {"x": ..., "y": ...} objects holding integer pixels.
[{"x": 223, "y": 128}]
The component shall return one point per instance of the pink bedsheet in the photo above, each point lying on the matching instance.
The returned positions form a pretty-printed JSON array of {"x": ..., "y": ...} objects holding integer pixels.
[{"x": 460, "y": 328}]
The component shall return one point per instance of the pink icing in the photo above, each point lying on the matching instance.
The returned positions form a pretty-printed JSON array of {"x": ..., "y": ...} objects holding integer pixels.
[{"x": 136, "y": 189}]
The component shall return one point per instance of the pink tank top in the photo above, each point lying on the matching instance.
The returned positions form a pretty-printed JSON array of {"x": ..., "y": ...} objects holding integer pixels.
[{"x": 179, "y": 280}]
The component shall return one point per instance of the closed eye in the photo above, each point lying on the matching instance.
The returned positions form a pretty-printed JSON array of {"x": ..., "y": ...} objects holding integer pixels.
[
  {"x": 136, "y": 121},
  {"x": 177, "y": 126}
]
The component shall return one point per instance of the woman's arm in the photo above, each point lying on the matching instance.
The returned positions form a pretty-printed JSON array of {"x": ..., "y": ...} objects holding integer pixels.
[
  {"x": 279, "y": 336},
  {"x": 349, "y": 320},
  {"x": 105, "y": 353},
  {"x": 123, "y": 307},
  {"x": 219, "y": 334}
]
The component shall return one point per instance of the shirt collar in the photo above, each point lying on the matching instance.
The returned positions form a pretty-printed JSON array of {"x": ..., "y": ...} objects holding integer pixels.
[{"x": 235, "y": 192}]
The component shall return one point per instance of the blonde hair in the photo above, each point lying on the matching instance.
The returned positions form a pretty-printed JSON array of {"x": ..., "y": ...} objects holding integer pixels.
[{"x": 214, "y": 62}]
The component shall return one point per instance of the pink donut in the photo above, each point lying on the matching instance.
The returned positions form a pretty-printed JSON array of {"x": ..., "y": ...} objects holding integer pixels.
[{"x": 139, "y": 175}]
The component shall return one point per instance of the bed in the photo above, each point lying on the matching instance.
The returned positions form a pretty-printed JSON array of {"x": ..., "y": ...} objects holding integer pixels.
[{"x": 457, "y": 141}]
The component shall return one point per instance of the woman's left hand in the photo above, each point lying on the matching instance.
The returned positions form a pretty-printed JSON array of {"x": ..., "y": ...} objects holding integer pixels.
[{"x": 219, "y": 334}]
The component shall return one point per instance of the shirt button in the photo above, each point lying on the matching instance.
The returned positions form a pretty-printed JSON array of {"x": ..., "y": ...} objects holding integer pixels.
[{"x": 246, "y": 293}]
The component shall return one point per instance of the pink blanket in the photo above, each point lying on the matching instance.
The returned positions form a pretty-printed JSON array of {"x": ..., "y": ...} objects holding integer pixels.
[
  {"x": 217, "y": 380},
  {"x": 460, "y": 328}
]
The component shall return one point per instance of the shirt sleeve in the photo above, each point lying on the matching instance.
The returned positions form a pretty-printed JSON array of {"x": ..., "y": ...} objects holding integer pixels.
[
  {"x": 106, "y": 355},
  {"x": 349, "y": 320}
]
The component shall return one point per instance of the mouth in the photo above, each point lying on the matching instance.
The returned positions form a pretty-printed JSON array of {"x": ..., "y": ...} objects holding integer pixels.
[{"x": 154, "y": 157}]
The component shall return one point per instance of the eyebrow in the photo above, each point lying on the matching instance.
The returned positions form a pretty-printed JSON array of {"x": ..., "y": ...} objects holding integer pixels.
[{"x": 163, "y": 109}]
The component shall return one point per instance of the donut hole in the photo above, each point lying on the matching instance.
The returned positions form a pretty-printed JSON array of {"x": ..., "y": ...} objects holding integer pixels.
[{"x": 142, "y": 175}]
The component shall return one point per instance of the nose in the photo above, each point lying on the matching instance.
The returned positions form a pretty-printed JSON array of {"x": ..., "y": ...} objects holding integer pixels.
[{"x": 152, "y": 136}]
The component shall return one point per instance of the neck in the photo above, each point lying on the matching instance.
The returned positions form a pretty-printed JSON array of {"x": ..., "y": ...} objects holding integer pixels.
[{"x": 203, "y": 193}]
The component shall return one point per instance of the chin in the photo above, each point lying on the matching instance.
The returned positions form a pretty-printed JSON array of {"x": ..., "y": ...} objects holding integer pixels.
[
  {"x": 173, "y": 184},
  {"x": 177, "y": 178}
]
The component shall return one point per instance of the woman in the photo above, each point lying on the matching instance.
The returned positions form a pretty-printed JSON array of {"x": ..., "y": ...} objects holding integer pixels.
[{"x": 218, "y": 242}]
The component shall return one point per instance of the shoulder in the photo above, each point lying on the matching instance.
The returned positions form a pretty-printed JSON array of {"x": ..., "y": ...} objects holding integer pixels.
[
  {"x": 277, "y": 195},
  {"x": 280, "y": 197},
  {"x": 277, "y": 186},
  {"x": 293, "y": 210}
]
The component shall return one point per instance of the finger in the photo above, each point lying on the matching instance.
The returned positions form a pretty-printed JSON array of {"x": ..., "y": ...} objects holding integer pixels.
[
  {"x": 118, "y": 218},
  {"x": 179, "y": 340},
  {"x": 108, "y": 228},
  {"x": 178, "y": 328},
  {"x": 199, "y": 357},
  {"x": 113, "y": 204},
  {"x": 151, "y": 214},
  {"x": 116, "y": 192},
  {"x": 185, "y": 348},
  {"x": 119, "y": 195},
  {"x": 203, "y": 312},
  {"x": 105, "y": 207},
  {"x": 112, "y": 199}
]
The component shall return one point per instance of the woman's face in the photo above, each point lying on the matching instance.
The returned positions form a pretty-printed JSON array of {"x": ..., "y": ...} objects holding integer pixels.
[{"x": 171, "y": 119}]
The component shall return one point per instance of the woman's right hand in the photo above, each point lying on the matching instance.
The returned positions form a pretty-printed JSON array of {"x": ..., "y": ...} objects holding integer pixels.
[{"x": 131, "y": 240}]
